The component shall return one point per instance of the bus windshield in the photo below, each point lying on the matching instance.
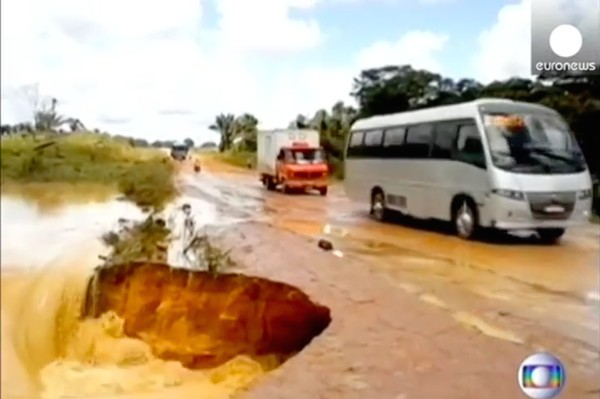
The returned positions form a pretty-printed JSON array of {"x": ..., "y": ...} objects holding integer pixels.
[{"x": 536, "y": 143}]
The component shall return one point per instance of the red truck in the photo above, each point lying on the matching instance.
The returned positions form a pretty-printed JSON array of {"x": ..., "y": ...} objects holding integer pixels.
[{"x": 293, "y": 160}]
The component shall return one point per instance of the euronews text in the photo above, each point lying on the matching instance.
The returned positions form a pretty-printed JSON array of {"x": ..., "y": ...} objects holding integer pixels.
[{"x": 567, "y": 66}]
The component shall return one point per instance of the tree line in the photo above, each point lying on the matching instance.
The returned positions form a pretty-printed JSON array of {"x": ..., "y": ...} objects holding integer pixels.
[
  {"x": 47, "y": 119},
  {"x": 398, "y": 88}
]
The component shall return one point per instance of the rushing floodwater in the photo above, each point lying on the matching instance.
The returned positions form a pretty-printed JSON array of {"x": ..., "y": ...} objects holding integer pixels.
[{"x": 46, "y": 262}]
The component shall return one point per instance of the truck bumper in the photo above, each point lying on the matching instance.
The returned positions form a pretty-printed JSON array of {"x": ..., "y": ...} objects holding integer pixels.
[{"x": 306, "y": 184}]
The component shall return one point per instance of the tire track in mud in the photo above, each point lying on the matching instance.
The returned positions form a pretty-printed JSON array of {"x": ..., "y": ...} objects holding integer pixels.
[{"x": 231, "y": 203}]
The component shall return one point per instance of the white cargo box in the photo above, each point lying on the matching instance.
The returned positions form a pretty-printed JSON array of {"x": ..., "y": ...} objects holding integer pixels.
[{"x": 270, "y": 142}]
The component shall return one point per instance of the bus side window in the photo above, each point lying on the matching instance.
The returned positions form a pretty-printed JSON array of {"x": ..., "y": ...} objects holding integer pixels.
[
  {"x": 393, "y": 143},
  {"x": 418, "y": 141},
  {"x": 373, "y": 141},
  {"x": 355, "y": 144},
  {"x": 469, "y": 147},
  {"x": 445, "y": 134}
]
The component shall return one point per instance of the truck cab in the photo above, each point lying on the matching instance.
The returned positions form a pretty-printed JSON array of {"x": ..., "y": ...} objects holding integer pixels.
[
  {"x": 292, "y": 159},
  {"x": 179, "y": 152},
  {"x": 302, "y": 167}
]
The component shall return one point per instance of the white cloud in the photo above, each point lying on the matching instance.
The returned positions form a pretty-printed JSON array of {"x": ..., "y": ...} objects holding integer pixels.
[
  {"x": 265, "y": 25},
  {"x": 149, "y": 69},
  {"x": 505, "y": 48},
  {"x": 109, "y": 61},
  {"x": 417, "y": 48},
  {"x": 321, "y": 87}
]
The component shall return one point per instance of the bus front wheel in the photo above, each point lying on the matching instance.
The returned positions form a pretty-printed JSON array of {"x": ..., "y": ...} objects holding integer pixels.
[
  {"x": 378, "y": 209},
  {"x": 550, "y": 236},
  {"x": 465, "y": 219}
]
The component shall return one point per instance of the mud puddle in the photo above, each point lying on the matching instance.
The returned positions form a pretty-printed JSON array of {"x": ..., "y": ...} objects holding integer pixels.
[
  {"x": 48, "y": 352},
  {"x": 236, "y": 202},
  {"x": 512, "y": 296}
]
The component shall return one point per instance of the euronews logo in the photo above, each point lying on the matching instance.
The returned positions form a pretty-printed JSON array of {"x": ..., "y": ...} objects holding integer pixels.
[{"x": 565, "y": 39}]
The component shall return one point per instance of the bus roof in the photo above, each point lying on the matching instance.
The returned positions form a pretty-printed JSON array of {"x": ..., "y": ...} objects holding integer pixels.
[{"x": 455, "y": 111}]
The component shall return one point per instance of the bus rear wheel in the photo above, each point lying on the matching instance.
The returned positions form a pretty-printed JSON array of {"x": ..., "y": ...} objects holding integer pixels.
[
  {"x": 464, "y": 218},
  {"x": 378, "y": 209}
]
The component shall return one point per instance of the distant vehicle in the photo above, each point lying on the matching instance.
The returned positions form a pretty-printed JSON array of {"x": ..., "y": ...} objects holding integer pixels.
[
  {"x": 179, "y": 152},
  {"x": 292, "y": 159},
  {"x": 487, "y": 163}
]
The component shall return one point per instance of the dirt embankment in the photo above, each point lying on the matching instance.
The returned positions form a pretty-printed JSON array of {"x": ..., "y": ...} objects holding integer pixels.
[{"x": 203, "y": 320}]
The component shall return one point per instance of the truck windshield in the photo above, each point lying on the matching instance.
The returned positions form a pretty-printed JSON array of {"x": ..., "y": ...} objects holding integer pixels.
[
  {"x": 532, "y": 143},
  {"x": 306, "y": 156},
  {"x": 179, "y": 151}
]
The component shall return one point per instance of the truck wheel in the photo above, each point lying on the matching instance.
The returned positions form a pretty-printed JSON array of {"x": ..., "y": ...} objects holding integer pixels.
[
  {"x": 323, "y": 191},
  {"x": 270, "y": 183}
]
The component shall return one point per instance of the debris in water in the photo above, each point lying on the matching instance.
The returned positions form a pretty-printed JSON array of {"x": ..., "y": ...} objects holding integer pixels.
[
  {"x": 593, "y": 296},
  {"x": 325, "y": 245},
  {"x": 328, "y": 246}
]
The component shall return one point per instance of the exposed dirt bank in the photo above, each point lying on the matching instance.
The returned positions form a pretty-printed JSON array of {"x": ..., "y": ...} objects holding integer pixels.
[
  {"x": 50, "y": 352},
  {"x": 203, "y": 320}
]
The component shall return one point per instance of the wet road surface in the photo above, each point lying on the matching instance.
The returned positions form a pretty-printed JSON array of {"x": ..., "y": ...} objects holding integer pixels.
[
  {"x": 515, "y": 289},
  {"x": 541, "y": 297}
]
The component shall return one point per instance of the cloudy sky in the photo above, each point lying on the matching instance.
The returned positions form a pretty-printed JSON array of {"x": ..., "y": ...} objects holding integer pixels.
[{"x": 163, "y": 69}]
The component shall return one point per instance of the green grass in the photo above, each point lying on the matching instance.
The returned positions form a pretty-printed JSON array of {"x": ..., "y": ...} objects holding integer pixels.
[
  {"x": 45, "y": 165},
  {"x": 239, "y": 159}
]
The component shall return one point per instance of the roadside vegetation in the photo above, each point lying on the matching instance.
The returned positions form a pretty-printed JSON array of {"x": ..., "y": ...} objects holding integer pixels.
[
  {"x": 53, "y": 168},
  {"x": 390, "y": 89},
  {"x": 234, "y": 157}
]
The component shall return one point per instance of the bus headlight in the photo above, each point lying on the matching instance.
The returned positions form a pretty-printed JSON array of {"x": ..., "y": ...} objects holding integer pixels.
[
  {"x": 511, "y": 194},
  {"x": 584, "y": 194}
]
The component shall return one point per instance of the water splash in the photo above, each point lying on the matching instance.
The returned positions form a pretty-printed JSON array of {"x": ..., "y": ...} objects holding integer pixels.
[{"x": 48, "y": 352}]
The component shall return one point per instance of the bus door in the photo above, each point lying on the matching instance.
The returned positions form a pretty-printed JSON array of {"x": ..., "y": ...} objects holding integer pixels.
[{"x": 417, "y": 173}]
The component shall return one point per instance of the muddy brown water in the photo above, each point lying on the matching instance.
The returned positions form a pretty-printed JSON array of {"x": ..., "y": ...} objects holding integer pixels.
[
  {"x": 47, "y": 351},
  {"x": 542, "y": 297},
  {"x": 507, "y": 287}
]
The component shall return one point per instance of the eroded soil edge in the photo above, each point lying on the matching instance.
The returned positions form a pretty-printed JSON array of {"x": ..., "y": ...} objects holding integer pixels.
[{"x": 201, "y": 319}]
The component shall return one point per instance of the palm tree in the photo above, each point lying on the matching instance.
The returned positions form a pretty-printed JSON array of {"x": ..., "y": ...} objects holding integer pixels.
[
  {"x": 245, "y": 128},
  {"x": 301, "y": 122},
  {"x": 224, "y": 124},
  {"x": 46, "y": 119},
  {"x": 74, "y": 124}
]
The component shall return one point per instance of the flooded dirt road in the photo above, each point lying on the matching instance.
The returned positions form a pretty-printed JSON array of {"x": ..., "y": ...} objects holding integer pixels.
[
  {"x": 509, "y": 288},
  {"x": 538, "y": 297}
]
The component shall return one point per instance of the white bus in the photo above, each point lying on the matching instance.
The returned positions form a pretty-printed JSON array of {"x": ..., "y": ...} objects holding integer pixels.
[{"x": 489, "y": 163}]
